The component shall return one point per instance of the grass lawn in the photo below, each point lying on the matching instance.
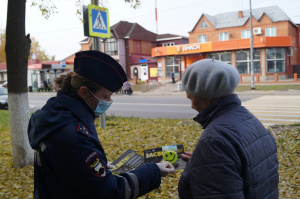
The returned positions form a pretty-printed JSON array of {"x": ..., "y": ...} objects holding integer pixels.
[
  {"x": 259, "y": 87},
  {"x": 140, "y": 134},
  {"x": 275, "y": 87}
]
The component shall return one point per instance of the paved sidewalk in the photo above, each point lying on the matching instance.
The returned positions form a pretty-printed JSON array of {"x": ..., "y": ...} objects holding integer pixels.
[{"x": 165, "y": 89}]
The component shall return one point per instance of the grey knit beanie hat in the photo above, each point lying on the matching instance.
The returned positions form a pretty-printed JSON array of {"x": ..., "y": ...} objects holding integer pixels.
[{"x": 210, "y": 78}]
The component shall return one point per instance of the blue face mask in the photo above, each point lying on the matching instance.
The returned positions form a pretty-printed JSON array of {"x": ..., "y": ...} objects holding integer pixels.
[{"x": 102, "y": 106}]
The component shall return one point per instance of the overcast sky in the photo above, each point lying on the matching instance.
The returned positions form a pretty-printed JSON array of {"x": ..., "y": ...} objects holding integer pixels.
[{"x": 60, "y": 35}]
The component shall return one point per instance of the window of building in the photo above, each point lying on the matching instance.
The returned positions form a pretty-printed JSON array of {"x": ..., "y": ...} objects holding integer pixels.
[
  {"x": 245, "y": 34},
  {"x": 275, "y": 60},
  {"x": 203, "y": 25},
  {"x": 2, "y": 76},
  {"x": 171, "y": 66},
  {"x": 168, "y": 44},
  {"x": 111, "y": 46},
  {"x": 271, "y": 32},
  {"x": 224, "y": 36},
  {"x": 224, "y": 56},
  {"x": 243, "y": 61},
  {"x": 201, "y": 38}
]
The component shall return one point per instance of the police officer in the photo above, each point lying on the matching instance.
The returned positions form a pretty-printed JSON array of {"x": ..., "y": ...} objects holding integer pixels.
[{"x": 70, "y": 161}]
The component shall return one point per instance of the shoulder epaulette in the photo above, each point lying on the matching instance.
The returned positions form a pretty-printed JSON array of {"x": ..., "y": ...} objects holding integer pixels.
[{"x": 82, "y": 129}]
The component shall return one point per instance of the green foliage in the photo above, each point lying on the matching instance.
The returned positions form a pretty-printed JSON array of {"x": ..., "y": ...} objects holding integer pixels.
[
  {"x": 140, "y": 134},
  {"x": 47, "y": 7},
  {"x": 35, "y": 47},
  {"x": 2, "y": 46},
  {"x": 134, "y": 3}
]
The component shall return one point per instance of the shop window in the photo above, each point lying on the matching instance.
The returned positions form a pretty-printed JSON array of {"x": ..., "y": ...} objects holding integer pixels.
[
  {"x": 275, "y": 60},
  {"x": 271, "y": 32},
  {"x": 171, "y": 66},
  {"x": 168, "y": 44},
  {"x": 245, "y": 34},
  {"x": 111, "y": 46},
  {"x": 224, "y": 36},
  {"x": 201, "y": 38},
  {"x": 224, "y": 56},
  {"x": 203, "y": 25},
  {"x": 243, "y": 61}
]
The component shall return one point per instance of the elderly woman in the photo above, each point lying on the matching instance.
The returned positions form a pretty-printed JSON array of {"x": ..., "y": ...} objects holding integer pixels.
[
  {"x": 70, "y": 161},
  {"x": 235, "y": 156}
]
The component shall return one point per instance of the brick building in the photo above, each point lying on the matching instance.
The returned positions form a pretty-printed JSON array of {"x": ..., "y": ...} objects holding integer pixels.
[
  {"x": 226, "y": 37},
  {"x": 130, "y": 44}
]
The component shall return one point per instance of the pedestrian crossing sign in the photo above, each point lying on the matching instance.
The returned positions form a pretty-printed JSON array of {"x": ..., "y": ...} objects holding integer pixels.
[{"x": 98, "y": 21}]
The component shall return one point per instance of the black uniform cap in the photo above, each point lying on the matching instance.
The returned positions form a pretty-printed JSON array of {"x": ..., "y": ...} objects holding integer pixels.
[{"x": 100, "y": 68}]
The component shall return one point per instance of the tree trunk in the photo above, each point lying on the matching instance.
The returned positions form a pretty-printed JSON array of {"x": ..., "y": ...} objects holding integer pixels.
[{"x": 17, "y": 51}]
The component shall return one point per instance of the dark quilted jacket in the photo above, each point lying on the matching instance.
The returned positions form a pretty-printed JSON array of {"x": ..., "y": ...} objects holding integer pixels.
[{"x": 234, "y": 158}]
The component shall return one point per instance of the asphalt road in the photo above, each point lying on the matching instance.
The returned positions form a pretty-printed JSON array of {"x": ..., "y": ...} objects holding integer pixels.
[
  {"x": 270, "y": 107},
  {"x": 144, "y": 106}
]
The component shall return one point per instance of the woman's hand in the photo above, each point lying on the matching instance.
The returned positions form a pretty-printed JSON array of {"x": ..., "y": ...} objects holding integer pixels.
[{"x": 186, "y": 156}]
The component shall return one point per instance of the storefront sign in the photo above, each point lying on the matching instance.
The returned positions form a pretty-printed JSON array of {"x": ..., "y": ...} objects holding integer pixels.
[
  {"x": 153, "y": 72},
  {"x": 35, "y": 66},
  {"x": 143, "y": 60},
  {"x": 182, "y": 49},
  {"x": 193, "y": 47}
]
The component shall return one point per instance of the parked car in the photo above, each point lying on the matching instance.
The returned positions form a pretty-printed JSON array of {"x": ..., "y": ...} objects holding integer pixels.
[
  {"x": 4, "y": 84},
  {"x": 3, "y": 98}
]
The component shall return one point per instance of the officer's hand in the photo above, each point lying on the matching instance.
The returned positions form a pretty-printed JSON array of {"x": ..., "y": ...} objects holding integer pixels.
[
  {"x": 165, "y": 168},
  {"x": 110, "y": 166}
]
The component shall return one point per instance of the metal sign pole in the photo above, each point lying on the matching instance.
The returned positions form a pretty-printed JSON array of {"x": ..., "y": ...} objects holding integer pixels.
[
  {"x": 97, "y": 46},
  {"x": 251, "y": 50}
]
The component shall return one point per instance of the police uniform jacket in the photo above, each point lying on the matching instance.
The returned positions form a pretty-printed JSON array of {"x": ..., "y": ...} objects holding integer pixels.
[
  {"x": 234, "y": 158},
  {"x": 70, "y": 161}
]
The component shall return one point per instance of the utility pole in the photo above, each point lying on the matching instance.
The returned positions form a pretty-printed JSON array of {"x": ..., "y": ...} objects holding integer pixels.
[
  {"x": 97, "y": 46},
  {"x": 251, "y": 50}
]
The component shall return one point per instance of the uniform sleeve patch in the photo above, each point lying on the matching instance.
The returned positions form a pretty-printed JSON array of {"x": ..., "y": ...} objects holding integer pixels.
[
  {"x": 95, "y": 164},
  {"x": 82, "y": 129}
]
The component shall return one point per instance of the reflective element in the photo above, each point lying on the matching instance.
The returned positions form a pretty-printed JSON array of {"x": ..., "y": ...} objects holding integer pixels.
[{"x": 170, "y": 156}]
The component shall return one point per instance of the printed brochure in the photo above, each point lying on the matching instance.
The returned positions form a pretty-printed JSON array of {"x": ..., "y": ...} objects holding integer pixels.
[{"x": 131, "y": 160}]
